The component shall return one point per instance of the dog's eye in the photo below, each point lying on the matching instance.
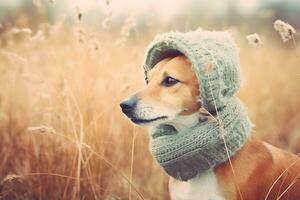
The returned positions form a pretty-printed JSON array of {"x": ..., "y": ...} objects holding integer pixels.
[{"x": 169, "y": 81}]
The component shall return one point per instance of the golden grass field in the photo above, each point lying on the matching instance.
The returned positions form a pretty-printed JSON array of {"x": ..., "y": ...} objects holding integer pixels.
[{"x": 63, "y": 135}]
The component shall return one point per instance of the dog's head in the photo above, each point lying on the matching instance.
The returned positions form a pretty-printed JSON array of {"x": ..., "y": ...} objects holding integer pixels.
[{"x": 172, "y": 94}]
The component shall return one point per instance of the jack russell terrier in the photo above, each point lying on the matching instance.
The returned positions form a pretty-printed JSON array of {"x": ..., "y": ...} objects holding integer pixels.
[{"x": 200, "y": 133}]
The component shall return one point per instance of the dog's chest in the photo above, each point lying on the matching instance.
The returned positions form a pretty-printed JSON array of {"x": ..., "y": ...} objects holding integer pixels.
[{"x": 204, "y": 186}]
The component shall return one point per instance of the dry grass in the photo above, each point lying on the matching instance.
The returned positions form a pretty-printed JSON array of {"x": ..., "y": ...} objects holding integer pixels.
[{"x": 63, "y": 135}]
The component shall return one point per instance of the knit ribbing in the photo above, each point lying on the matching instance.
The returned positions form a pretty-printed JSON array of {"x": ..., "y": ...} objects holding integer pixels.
[{"x": 185, "y": 154}]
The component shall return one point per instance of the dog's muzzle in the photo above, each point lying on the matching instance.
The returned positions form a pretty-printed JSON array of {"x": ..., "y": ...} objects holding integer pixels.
[{"x": 128, "y": 106}]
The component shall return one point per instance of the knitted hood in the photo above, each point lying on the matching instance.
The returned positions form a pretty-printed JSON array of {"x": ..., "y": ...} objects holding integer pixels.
[
  {"x": 215, "y": 61},
  {"x": 214, "y": 58}
]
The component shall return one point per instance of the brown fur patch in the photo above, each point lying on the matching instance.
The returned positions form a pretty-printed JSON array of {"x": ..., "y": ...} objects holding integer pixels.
[
  {"x": 257, "y": 166},
  {"x": 182, "y": 96}
]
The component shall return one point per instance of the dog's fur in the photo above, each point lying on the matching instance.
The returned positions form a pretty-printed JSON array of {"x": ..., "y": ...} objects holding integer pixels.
[{"x": 260, "y": 170}]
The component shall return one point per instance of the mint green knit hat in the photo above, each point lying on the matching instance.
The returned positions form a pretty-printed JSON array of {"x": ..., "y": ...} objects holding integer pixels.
[{"x": 214, "y": 58}]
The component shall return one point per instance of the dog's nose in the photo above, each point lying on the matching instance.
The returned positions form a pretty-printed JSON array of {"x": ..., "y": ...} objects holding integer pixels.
[{"x": 128, "y": 105}]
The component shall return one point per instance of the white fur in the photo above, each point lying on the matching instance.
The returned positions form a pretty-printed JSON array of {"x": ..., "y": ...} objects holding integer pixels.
[
  {"x": 182, "y": 122},
  {"x": 146, "y": 110},
  {"x": 204, "y": 186}
]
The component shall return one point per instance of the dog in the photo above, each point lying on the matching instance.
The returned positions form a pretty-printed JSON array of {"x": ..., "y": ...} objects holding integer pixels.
[{"x": 258, "y": 171}]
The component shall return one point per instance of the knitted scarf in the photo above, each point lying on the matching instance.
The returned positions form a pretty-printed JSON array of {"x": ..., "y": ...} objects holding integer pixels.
[{"x": 185, "y": 154}]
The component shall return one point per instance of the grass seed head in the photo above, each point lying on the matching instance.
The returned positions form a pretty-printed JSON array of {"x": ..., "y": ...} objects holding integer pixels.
[
  {"x": 108, "y": 19},
  {"x": 285, "y": 30},
  {"x": 15, "y": 58},
  {"x": 11, "y": 177},
  {"x": 127, "y": 30},
  {"x": 95, "y": 45},
  {"x": 254, "y": 39},
  {"x": 79, "y": 14},
  {"x": 38, "y": 37},
  {"x": 26, "y": 30},
  {"x": 41, "y": 129}
]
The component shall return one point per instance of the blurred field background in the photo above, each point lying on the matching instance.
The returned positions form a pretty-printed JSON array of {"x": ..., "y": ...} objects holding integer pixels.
[{"x": 65, "y": 66}]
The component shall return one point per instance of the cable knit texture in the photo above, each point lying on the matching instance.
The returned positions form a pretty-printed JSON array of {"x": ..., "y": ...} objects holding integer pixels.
[{"x": 215, "y": 61}]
